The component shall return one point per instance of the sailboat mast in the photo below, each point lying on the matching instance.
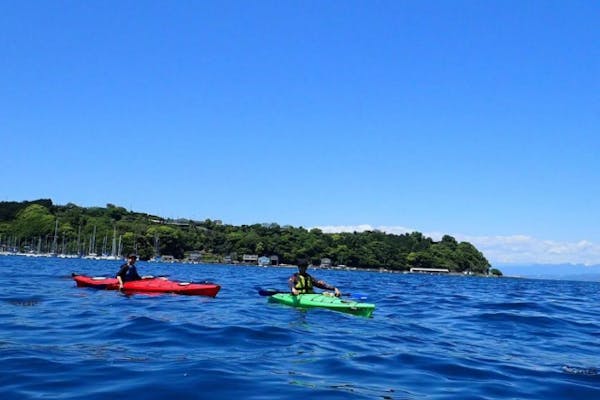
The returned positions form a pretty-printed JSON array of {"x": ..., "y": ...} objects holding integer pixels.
[
  {"x": 113, "y": 253},
  {"x": 79, "y": 241},
  {"x": 54, "y": 244},
  {"x": 93, "y": 243}
]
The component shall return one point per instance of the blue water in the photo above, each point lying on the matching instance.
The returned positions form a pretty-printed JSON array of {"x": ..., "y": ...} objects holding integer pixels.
[{"x": 431, "y": 337}]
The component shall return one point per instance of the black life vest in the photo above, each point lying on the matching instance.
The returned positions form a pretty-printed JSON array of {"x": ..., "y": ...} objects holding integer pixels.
[{"x": 130, "y": 274}]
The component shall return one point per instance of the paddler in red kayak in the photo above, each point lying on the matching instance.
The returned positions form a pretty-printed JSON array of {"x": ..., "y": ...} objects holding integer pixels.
[
  {"x": 128, "y": 271},
  {"x": 301, "y": 282}
]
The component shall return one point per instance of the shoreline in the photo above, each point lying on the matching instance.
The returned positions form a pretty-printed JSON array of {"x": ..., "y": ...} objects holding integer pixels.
[{"x": 237, "y": 264}]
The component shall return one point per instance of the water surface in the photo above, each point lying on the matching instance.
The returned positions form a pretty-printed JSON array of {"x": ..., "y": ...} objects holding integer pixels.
[{"x": 431, "y": 337}]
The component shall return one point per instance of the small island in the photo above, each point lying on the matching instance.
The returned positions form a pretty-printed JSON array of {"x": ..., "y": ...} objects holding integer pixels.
[{"x": 40, "y": 227}]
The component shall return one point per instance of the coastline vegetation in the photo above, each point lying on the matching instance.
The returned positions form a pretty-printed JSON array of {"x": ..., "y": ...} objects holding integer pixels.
[{"x": 40, "y": 225}]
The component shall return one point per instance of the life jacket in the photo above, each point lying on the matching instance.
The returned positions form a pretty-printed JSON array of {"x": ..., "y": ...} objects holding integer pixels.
[
  {"x": 304, "y": 284},
  {"x": 131, "y": 274}
]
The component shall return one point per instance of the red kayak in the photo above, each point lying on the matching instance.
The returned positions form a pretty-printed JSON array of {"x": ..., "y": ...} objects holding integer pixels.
[{"x": 149, "y": 285}]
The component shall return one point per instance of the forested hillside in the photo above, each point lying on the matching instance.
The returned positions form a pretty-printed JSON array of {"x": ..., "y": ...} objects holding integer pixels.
[{"x": 41, "y": 226}]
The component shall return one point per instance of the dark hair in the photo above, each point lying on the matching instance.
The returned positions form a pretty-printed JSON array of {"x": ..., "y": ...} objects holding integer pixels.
[
  {"x": 132, "y": 256},
  {"x": 302, "y": 263}
]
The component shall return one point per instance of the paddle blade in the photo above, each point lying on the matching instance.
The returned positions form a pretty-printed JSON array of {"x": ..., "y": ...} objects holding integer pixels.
[{"x": 269, "y": 292}]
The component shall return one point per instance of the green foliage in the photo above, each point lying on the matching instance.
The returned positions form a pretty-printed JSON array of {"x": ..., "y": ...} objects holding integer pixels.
[
  {"x": 27, "y": 222},
  {"x": 10, "y": 209},
  {"x": 34, "y": 220}
]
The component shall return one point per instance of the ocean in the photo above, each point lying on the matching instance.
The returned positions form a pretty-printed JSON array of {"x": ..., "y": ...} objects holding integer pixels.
[{"x": 430, "y": 337}]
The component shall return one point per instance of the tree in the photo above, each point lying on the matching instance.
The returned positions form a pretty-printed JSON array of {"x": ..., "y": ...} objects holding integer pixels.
[
  {"x": 35, "y": 220},
  {"x": 260, "y": 248}
]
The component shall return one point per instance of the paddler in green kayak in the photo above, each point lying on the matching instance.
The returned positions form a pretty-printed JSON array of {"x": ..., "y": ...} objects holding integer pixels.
[{"x": 302, "y": 282}]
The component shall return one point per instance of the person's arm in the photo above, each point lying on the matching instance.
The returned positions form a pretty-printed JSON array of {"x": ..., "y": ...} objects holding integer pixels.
[
  {"x": 292, "y": 285},
  {"x": 324, "y": 285},
  {"x": 121, "y": 274}
]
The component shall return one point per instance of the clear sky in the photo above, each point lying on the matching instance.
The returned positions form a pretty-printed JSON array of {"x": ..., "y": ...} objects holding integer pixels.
[{"x": 478, "y": 119}]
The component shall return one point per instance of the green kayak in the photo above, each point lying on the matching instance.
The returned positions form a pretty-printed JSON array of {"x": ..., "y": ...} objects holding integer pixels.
[{"x": 323, "y": 301}]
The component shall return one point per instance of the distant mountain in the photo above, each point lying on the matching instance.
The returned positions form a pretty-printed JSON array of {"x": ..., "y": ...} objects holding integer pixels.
[{"x": 578, "y": 272}]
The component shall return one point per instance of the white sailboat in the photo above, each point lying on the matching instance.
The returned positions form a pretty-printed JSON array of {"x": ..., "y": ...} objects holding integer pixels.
[
  {"x": 113, "y": 254},
  {"x": 54, "y": 251},
  {"x": 156, "y": 257},
  {"x": 92, "y": 249}
]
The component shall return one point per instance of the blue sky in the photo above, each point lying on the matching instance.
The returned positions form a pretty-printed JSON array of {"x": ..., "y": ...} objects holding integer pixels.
[{"x": 478, "y": 119}]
